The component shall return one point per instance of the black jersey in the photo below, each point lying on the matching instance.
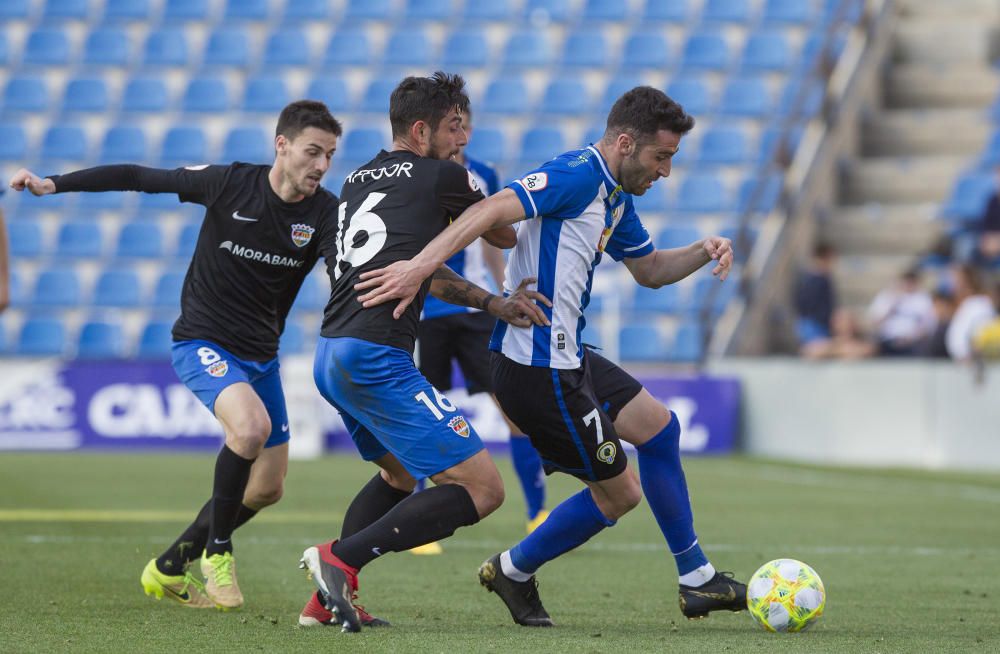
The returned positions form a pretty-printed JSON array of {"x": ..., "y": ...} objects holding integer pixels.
[
  {"x": 390, "y": 209},
  {"x": 253, "y": 251}
]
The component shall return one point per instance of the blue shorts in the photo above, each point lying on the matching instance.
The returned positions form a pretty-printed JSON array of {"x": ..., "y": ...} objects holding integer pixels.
[
  {"x": 207, "y": 369},
  {"x": 389, "y": 407}
]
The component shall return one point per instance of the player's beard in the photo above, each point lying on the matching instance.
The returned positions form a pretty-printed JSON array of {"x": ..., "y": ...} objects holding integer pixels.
[{"x": 634, "y": 177}]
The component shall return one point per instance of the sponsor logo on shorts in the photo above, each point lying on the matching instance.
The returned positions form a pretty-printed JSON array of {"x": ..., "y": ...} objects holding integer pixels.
[
  {"x": 536, "y": 181},
  {"x": 302, "y": 234},
  {"x": 460, "y": 426},
  {"x": 607, "y": 452},
  {"x": 218, "y": 369}
]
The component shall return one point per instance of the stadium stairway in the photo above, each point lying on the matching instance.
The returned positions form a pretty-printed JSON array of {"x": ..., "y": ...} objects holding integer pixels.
[{"x": 931, "y": 124}]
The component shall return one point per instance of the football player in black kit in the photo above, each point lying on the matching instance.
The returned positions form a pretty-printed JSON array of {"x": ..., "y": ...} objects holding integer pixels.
[{"x": 390, "y": 208}]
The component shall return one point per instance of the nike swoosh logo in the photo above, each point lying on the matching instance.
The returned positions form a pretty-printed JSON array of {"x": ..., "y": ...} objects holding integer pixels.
[
  {"x": 725, "y": 597},
  {"x": 284, "y": 427},
  {"x": 237, "y": 216},
  {"x": 375, "y": 550},
  {"x": 220, "y": 542},
  {"x": 184, "y": 596}
]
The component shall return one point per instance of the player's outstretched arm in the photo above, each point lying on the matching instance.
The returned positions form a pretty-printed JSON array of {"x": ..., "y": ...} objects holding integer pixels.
[
  {"x": 25, "y": 179},
  {"x": 196, "y": 180},
  {"x": 520, "y": 308},
  {"x": 401, "y": 280},
  {"x": 664, "y": 267}
]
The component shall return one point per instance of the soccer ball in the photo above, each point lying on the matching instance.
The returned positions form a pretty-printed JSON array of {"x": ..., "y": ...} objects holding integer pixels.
[{"x": 785, "y": 595}]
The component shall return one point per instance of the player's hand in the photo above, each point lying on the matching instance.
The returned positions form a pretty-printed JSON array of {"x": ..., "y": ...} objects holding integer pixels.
[
  {"x": 25, "y": 179},
  {"x": 520, "y": 308},
  {"x": 398, "y": 281},
  {"x": 719, "y": 249}
]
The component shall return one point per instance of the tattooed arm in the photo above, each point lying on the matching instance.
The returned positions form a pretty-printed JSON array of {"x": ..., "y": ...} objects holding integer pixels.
[{"x": 518, "y": 309}]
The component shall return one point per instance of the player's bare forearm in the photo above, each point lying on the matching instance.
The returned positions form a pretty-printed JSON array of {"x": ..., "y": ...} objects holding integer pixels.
[
  {"x": 521, "y": 308},
  {"x": 451, "y": 287},
  {"x": 663, "y": 267}
]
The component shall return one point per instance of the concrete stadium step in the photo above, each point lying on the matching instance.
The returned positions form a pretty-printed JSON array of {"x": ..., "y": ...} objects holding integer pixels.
[
  {"x": 883, "y": 229},
  {"x": 940, "y": 86},
  {"x": 918, "y": 131},
  {"x": 900, "y": 179},
  {"x": 958, "y": 39},
  {"x": 859, "y": 278}
]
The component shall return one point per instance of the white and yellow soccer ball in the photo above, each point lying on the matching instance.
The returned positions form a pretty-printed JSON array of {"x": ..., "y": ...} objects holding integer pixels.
[{"x": 785, "y": 595}]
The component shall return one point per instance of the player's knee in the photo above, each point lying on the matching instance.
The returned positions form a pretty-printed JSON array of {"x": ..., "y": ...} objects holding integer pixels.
[
  {"x": 260, "y": 497},
  {"x": 252, "y": 431},
  {"x": 487, "y": 496}
]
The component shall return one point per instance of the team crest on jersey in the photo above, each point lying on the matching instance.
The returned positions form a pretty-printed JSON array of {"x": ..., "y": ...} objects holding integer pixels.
[
  {"x": 616, "y": 216},
  {"x": 218, "y": 369},
  {"x": 607, "y": 452},
  {"x": 460, "y": 426},
  {"x": 536, "y": 181},
  {"x": 302, "y": 234}
]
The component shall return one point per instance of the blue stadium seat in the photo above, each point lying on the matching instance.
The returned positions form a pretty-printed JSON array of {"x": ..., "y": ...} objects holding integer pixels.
[
  {"x": 543, "y": 11},
  {"x": 742, "y": 241},
  {"x": 155, "y": 340},
  {"x": 313, "y": 295},
  {"x": 663, "y": 300},
  {"x": 18, "y": 294},
  {"x": 14, "y": 9},
  {"x": 407, "y": 46},
  {"x": 107, "y": 46},
  {"x": 145, "y": 95},
  {"x": 676, "y": 236},
  {"x": 140, "y": 240},
  {"x": 674, "y": 11},
  {"x": 118, "y": 288},
  {"x": 206, "y": 95},
  {"x": 185, "y": 10},
  {"x": 724, "y": 145},
  {"x": 79, "y": 239},
  {"x": 100, "y": 339},
  {"x": 813, "y": 49},
  {"x": 706, "y": 51},
  {"x": 721, "y": 293},
  {"x": 844, "y": 11},
  {"x": 769, "y": 196},
  {"x": 266, "y": 94},
  {"x": 25, "y": 94},
  {"x": 969, "y": 196},
  {"x": 246, "y": 10},
  {"x": 540, "y": 144},
  {"x": 617, "y": 86},
  {"x": 726, "y": 11},
  {"x": 56, "y": 287},
  {"x": 89, "y": 203},
  {"x": 228, "y": 46},
  {"x": 152, "y": 203},
  {"x": 66, "y": 10},
  {"x": 586, "y": 48},
  {"x": 791, "y": 12},
  {"x": 166, "y": 46},
  {"x": 368, "y": 10},
  {"x": 591, "y": 334},
  {"x": 186, "y": 242},
  {"x": 746, "y": 97},
  {"x": 348, "y": 47},
  {"x": 249, "y": 144},
  {"x": 527, "y": 49},
  {"x": 65, "y": 143},
  {"x": 653, "y": 200},
  {"x": 124, "y": 144},
  {"x": 184, "y": 145},
  {"x": 46, "y": 47},
  {"x": 567, "y": 97},
  {"x": 487, "y": 144},
  {"x": 305, "y": 10},
  {"x": 687, "y": 345},
  {"x": 487, "y": 10},
  {"x": 376, "y": 97},
  {"x": 86, "y": 94},
  {"x": 990, "y": 156},
  {"x": 693, "y": 93},
  {"x": 703, "y": 193},
  {"x": 466, "y": 48},
  {"x": 126, "y": 10},
  {"x": 810, "y": 100},
  {"x": 293, "y": 339},
  {"x": 606, "y": 10},
  {"x": 438, "y": 10},
  {"x": 287, "y": 47},
  {"x": 332, "y": 91},
  {"x": 506, "y": 95},
  {"x": 3, "y": 50},
  {"x": 767, "y": 51},
  {"x": 42, "y": 336},
  {"x": 362, "y": 145},
  {"x": 646, "y": 49},
  {"x": 167, "y": 293},
  {"x": 641, "y": 343},
  {"x": 13, "y": 142},
  {"x": 25, "y": 238}
]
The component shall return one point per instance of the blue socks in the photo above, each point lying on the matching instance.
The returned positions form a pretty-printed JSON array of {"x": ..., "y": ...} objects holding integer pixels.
[
  {"x": 665, "y": 488},
  {"x": 570, "y": 525},
  {"x": 528, "y": 466}
]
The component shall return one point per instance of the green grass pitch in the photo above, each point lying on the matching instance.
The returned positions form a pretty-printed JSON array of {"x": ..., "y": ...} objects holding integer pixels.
[{"x": 909, "y": 560}]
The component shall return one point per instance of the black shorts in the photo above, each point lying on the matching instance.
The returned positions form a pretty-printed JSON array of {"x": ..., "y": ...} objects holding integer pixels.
[
  {"x": 464, "y": 337},
  {"x": 568, "y": 414}
]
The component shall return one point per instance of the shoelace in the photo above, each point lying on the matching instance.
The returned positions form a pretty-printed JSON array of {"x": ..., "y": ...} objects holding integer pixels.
[
  {"x": 191, "y": 581},
  {"x": 531, "y": 591},
  {"x": 364, "y": 615},
  {"x": 222, "y": 569}
]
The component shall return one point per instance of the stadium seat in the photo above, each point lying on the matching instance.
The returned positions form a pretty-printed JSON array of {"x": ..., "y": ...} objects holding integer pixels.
[
  {"x": 155, "y": 340},
  {"x": 86, "y": 94},
  {"x": 293, "y": 339},
  {"x": 843, "y": 11},
  {"x": 66, "y": 10},
  {"x": 107, "y": 46},
  {"x": 25, "y": 94},
  {"x": 605, "y": 11},
  {"x": 506, "y": 95},
  {"x": 466, "y": 48},
  {"x": 693, "y": 93},
  {"x": 706, "y": 51},
  {"x": 18, "y": 293},
  {"x": 4, "y": 50},
  {"x": 791, "y": 12},
  {"x": 674, "y": 11},
  {"x": 287, "y": 47},
  {"x": 437, "y": 10},
  {"x": 527, "y": 49},
  {"x": 703, "y": 193},
  {"x": 726, "y": 11},
  {"x": 663, "y": 300},
  {"x": 646, "y": 49},
  {"x": 166, "y": 46},
  {"x": 46, "y": 47},
  {"x": 56, "y": 287},
  {"x": 617, "y": 86},
  {"x": 742, "y": 241},
  {"x": 185, "y": 10},
  {"x": 167, "y": 293},
  {"x": 767, "y": 51},
  {"x": 361, "y": 145},
  {"x": 332, "y": 91},
  {"x": 89, "y": 203},
  {"x": 25, "y": 238},
  {"x": 124, "y": 144},
  {"x": 798, "y": 103},
  {"x": 720, "y": 293},
  {"x": 79, "y": 239},
  {"x": 42, "y": 336},
  {"x": 652, "y": 201},
  {"x": 186, "y": 241},
  {"x": 969, "y": 196},
  {"x": 641, "y": 343},
  {"x": 348, "y": 47},
  {"x": 229, "y": 47},
  {"x": 14, "y": 9},
  {"x": 255, "y": 10},
  {"x": 586, "y": 48},
  {"x": 724, "y": 145},
  {"x": 676, "y": 236},
  {"x": 184, "y": 145},
  {"x": 544, "y": 11},
  {"x": 117, "y": 288},
  {"x": 746, "y": 97},
  {"x": 65, "y": 143},
  {"x": 206, "y": 95},
  {"x": 376, "y": 97},
  {"x": 13, "y": 142},
  {"x": 567, "y": 97},
  {"x": 249, "y": 144},
  {"x": 126, "y": 11},
  {"x": 145, "y": 95},
  {"x": 540, "y": 144},
  {"x": 687, "y": 345},
  {"x": 101, "y": 340},
  {"x": 314, "y": 293},
  {"x": 487, "y": 10},
  {"x": 407, "y": 46},
  {"x": 296, "y": 11},
  {"x": 591, "y": 334},
  {"x": 487, "y": 144},
  {"x": 358, "y": 10},
  {"x": 140, "y": 240},
  {"x": 991, "y": 154}
]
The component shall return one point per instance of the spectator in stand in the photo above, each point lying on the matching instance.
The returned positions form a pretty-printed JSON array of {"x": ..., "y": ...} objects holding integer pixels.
[
  {"x": 944, "y": 310},
  {"x": 975, "y": 309},
  {"x": 902, "y": 316},
  {"x": 987, "y": 233},
  {"x": 986, "y": 342},
  {"x": 816, "y": 298},
  {"x": 846, "y": 341}
]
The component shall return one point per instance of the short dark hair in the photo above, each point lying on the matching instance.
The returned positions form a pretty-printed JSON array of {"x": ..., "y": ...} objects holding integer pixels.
[
  {"x": 426, "y": 98},
  {"x": 644, "y": 111},
  {"x": 306, "y": 113},
  {"x": 823, "y": 250}
]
